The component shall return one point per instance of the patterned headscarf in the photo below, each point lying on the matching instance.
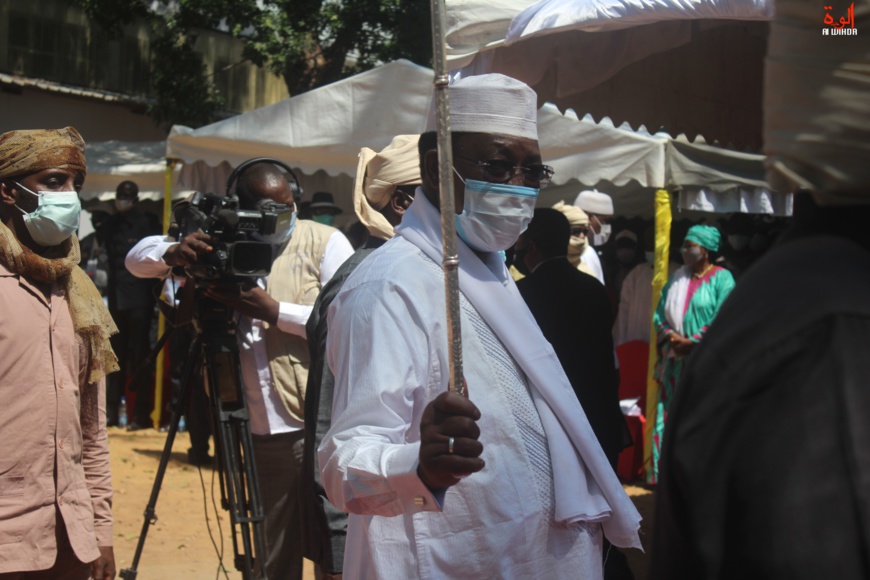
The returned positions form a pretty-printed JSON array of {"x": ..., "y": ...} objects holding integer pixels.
[{"x": 24, "y": 152}]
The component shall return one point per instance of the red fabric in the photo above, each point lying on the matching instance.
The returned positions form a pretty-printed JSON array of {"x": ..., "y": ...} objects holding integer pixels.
[
  {"x": 633, "y": 367},
  {"x": 696, "y": 283}
]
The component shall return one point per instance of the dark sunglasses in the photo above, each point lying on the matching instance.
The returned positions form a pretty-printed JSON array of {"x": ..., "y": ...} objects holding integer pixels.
[{"x": 503, "y": 171}]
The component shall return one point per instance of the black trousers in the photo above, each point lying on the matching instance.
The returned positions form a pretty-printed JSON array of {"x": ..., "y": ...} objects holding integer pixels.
[
  {"x": 197, "y": 410},
  {"x": 131, "y": 345}
]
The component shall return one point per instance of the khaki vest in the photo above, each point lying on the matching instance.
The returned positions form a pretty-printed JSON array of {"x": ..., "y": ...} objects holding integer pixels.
[{"x": 295, "y": 278}]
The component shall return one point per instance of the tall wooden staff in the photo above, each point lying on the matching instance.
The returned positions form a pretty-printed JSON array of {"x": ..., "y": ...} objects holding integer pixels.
[{"x": 450, "y": 261}]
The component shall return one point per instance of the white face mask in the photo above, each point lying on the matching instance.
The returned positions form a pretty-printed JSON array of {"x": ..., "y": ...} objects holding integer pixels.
[
  {"x": 494, "y": 214},
  {"x": 692, "y": 255},
  {"x": 600, "y": 238},
  {"x": 55, "y": 218}
]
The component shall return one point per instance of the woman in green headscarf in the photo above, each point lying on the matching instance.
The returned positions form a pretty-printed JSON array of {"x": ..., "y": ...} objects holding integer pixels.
[{"x": 689, "y": 302}]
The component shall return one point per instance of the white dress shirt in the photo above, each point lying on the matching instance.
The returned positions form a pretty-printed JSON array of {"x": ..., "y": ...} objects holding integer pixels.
[
  {"x": 267, "y": 412},
  {"x": 634, "y": 320},
  {"x": 591, "y": 259}
]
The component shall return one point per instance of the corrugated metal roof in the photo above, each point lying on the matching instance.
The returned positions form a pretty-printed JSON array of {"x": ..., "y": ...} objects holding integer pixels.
[{"x": 53, "y": 87}]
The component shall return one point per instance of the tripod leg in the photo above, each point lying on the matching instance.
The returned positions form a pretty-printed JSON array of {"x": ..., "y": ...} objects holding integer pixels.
[
  {"x": 190, "y": 366},
  {"x": 239, "y": 487}
]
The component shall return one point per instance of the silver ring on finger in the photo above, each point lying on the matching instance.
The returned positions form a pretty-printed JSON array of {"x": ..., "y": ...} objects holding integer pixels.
[{"x": 450, "y": 442}]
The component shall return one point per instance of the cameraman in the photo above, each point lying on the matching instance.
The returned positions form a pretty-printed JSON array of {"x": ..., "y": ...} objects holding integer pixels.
[{"x": 273, "y": 349}]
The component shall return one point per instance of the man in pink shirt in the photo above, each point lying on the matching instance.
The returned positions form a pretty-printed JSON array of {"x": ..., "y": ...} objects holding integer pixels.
[{"x": 55, "y": 485}]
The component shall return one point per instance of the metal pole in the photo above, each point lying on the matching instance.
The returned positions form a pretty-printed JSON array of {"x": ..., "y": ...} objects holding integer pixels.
[
  {"x": 161, "y": 320},
  {"x": 450, "y": 261}
]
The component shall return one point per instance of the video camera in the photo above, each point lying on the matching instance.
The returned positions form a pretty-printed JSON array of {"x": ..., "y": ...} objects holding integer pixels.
[{"x": 236, "y": 235}]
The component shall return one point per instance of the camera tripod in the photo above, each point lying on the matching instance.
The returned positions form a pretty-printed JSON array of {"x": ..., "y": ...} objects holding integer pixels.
[{"x": 214, "y": 353}]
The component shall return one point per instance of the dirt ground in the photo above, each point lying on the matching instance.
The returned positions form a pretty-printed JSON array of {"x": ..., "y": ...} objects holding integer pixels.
[{"x": 179, "y": 544}]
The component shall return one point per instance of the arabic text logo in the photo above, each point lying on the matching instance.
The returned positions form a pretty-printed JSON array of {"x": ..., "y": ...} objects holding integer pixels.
[{"x": 844, "y": 27}]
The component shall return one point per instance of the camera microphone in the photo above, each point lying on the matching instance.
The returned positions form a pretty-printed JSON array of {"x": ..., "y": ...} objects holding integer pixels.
[{"x": 228, "y": 217}]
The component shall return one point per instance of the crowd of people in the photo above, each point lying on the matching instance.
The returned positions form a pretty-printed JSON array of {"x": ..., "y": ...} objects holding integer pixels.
[{"x": 367, "y": 463}]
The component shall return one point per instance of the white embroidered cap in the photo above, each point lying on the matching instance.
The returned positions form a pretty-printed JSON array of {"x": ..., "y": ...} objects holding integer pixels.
[
  {"x": 593, "y": 201},
  {"x": 491, "y": 103}
]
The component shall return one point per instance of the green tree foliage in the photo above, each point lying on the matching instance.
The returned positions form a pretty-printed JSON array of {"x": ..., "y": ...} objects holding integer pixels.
[{"x": 309, "y": 43}]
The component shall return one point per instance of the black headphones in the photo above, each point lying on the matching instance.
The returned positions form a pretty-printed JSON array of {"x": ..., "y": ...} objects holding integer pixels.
[{"x": 295, "y": 186}]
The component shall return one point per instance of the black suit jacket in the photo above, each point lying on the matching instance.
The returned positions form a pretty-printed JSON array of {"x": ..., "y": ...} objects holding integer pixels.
[
  {"x": 574, "y": 313},
  {"x": 324, "y": 541}
]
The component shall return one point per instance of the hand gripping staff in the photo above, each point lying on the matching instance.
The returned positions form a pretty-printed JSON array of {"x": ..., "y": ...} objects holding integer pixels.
[{"x": 450, "y": 261}]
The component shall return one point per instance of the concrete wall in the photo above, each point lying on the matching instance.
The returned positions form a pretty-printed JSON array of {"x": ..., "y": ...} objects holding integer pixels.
[{"x": 95, "y": 120}]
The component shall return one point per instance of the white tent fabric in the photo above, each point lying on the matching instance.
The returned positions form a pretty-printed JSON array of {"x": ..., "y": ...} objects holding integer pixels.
[
  {"x": 321, "y": 132},
  {"x": 323, "y": 129},
  {"x": 394, "y": 99},
  {"x": 715, "y": 179},
  {"x": 111, "y": 162},
  {"x": 691, "y": 66},
  {"x": 589, "y": 152}
]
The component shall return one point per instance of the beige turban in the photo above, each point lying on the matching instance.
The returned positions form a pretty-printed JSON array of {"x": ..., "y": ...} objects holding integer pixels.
[
  {"x": 575, "y": 215},
  {"x": 23, "y": 152},
  {"x": 576, "y": 245},
  {"x": 377, "y": 176},
  {"x": 817, "y": 102}
]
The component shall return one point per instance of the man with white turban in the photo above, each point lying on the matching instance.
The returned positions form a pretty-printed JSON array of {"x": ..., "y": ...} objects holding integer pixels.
[
  {"x": 599, "y": 207},
  {"x": 382, "y": 191},
  {"x": 55, "y": 483},
  {"x": 510, "y": 483},
  {"x": 579, "y": 241},
  {"x": 765, "y": 471}
]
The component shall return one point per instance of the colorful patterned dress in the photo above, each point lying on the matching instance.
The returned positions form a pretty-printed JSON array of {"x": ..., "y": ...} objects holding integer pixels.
[{"x": 688, "y": 306}]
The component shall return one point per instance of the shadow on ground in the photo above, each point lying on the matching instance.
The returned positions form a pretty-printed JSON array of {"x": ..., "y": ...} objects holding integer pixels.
[{"x": 644, "y": 500}]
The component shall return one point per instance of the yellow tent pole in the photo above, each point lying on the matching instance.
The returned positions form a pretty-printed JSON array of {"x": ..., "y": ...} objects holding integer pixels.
[
  {"x": 660, "y": 278},
  {"x": 161, "y": 321}
]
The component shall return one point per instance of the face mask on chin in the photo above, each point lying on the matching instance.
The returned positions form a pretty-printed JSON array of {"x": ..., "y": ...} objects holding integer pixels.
[
  {"x": 55, "y": 218},
  {"x": 494, "y": 214}
]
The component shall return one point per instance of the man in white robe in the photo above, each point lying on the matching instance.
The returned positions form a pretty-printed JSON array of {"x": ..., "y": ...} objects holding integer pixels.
[
  {"x": 510, "y": 483},
  {"x": 599, "y": 207}
]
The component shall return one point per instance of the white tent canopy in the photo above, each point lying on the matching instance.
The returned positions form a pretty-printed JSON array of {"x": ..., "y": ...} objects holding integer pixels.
[
  {"x": 321, "y": 132},
  {"x": 691, "y": 66},
  {"x": 715, "y": 179},
  {"x": 111, "y": 162},
  {"x": 323, "y": 129}
]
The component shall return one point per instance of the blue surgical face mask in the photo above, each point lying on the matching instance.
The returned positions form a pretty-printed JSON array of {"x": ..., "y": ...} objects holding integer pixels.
[
  {"x": 55, "y": 218},
  {"x": 494, "y": 214},
  {"x": 278, "y": 238},
  {"x": 650, "y": 257}
]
